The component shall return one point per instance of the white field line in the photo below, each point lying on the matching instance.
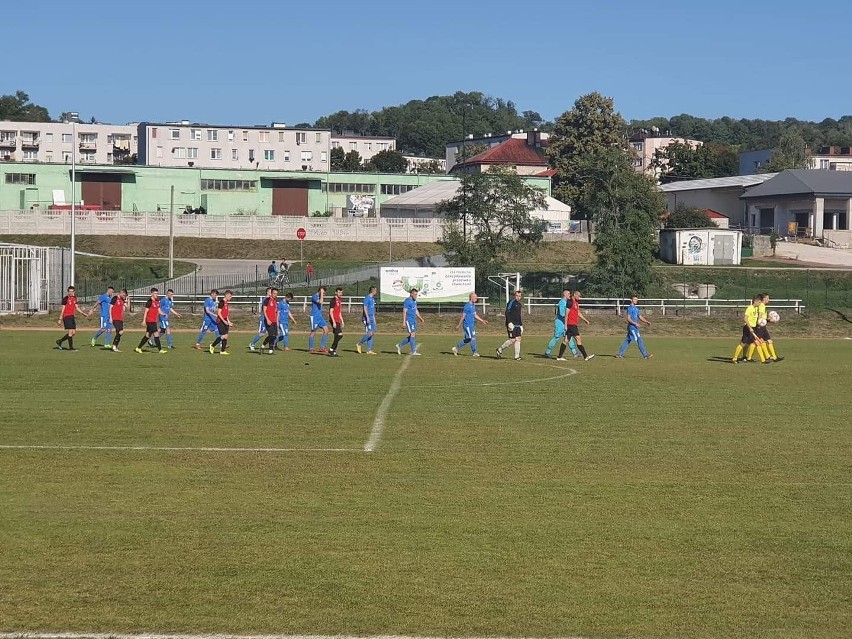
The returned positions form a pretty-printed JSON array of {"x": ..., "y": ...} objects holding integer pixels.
[
  {"x": 379, "y": 422},
  {"x": 195, "y": 449},
  {"x": 145, "y": 635}
]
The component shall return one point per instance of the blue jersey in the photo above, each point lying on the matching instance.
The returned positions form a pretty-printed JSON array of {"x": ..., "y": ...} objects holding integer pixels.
[
  {"x": 561, "y": 310},
  {"x": 316, "y": 307},
  {"x": 369, "y": 310},
  {"x": 284, "y": 312},
  {"x": 104, "y": 302},
  {"x": 633, "y": 313},
  {"x": 166, "y": 305},
  {"x": 469, "y": 314},
  {"x": 410, "y": 306},
  {"x": 210, "y": 309}
]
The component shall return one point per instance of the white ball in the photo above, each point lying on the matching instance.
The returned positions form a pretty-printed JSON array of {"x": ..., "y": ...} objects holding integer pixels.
[
  {"x": 774, "y": 316},
  {"x": 510, "y": 326},
  {"x": 761, "y": 321}
]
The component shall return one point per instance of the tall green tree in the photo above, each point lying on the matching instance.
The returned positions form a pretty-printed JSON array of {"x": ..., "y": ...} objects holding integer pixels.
[
  {"x": 338, "y": 159},
  {"x": 18, "y": 108},
  {"x": 388, "y": 161},
  {"x": 688, "y": 217},
  {"x": 429, "y": 167},
  {"x": 681, "y": 161},
  {"x": 590, "y": 127},
  {"x": 352, "y": 162},
  {"x": 490, "y": 220},
  {"x": 791, "y": 153}
]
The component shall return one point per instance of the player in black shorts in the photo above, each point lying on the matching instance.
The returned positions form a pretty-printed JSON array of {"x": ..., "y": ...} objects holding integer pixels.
[{"x": 514, "y": 326}]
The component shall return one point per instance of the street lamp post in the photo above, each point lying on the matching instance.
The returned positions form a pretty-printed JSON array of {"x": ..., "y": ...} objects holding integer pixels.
[
  {"x": 464, "y": 160},
  {"x": 73, "y": 199}
]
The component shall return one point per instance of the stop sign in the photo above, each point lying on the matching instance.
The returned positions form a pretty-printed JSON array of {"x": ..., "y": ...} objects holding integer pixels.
[{"x": 301, "y": 234}]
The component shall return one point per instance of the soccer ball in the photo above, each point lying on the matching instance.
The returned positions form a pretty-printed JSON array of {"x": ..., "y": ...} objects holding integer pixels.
[
  {"x": 761, "y": 321},
  {"x": 510, "y": 326},
  {"x": 774, "y": 316}
]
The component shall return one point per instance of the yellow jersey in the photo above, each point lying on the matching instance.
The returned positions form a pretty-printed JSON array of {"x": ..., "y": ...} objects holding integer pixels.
[
  {"x": 761, "y": 310},
  {"x": 752, "y": 313}
]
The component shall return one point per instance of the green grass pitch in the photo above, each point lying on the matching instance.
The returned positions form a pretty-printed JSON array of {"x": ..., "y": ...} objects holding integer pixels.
[{"x": 681, "y": 496}]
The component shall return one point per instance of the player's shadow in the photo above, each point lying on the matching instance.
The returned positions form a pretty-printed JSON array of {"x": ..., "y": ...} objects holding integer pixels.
[{"x": 720, "y": 359}]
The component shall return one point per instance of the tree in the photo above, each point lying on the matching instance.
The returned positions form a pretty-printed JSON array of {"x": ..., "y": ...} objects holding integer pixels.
[
  {"x": 490, "y": 220},
  {"x": 589, "y": 128},
  {"x": 791, "y": 153},
  {"x": 683, "y": 161},
  {"x": 429, "y": 167},
  {"x": 352, "y": 162},
  {"x": 625, "y": 207},
  {"x": 338, "y": 158},
  {"x": 18, "y": 108},
  {"x": 388, "y": 161},
  {"x": 687, "y": 217}
]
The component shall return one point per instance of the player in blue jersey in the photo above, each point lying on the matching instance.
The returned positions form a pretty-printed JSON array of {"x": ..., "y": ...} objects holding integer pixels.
[
  {"x": 410, "y": 315},
  {"x": 467, "y": 322},
  {"x": 285, "y": 317},
  {"x": 167, "y": 308},
  {"x": 560, "y": 324},
  {"x": 368, "y": 318},
  {"x": 102, "y": 305},
  {"x": 634, "y": 319},
  {"x": 211, "y": 308},
  {"x": 318, "y": 321},
  {"x": 261, "y": 328}
]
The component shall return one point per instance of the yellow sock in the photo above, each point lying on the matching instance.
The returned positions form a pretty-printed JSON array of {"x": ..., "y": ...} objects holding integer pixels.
[
  {"x": 765, "y": 350},
  {"x": 751, "y": 348},
  {"x": 760, "y": 354},
  {"x": 738, "y": 352},
  {"x": 771, "y": 347}
]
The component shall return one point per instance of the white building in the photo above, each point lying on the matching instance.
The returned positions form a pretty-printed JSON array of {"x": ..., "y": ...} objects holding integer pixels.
[
  {"x": 366, "y": 146},
  {"x": 54, "y": 142},
  {"x": 645, "y": 144}
]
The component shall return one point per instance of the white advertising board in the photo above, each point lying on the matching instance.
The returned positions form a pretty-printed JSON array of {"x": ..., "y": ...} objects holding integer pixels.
[{"x": 441, "y": 284}]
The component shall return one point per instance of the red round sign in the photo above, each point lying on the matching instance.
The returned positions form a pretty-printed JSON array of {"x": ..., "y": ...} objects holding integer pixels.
[{"x": 301, "y": 234}]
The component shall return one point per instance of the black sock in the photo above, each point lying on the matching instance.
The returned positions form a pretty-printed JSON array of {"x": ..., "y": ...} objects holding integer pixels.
[
  {"x": 143, "y": 342},
  {"x": 224, "y": 343},
  {"x": 582, "y": 350},
  {"x": 561, "y": 349},
  {"x": 158, "y": 343},
  {"x": 70, "y": 342},
  {"x": 117, "y": 339},
  {"x": 216, "y": 342},
  {"x": 336, "y": 341},
  {"x": 62, "y": 339}
]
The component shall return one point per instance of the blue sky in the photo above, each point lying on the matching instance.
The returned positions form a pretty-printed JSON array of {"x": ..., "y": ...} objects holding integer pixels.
[{"x": 257, "y": 61}]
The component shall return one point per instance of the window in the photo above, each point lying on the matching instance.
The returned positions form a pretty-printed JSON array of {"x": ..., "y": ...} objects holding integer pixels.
[
  {"x": 307, "y": 156},
  {"x": 230, "y": 136},
  {"x": 159, "y": 152},
  {"x": 263, "y": 136},
  {"x": 179, "y": 152},
  {"x": 301, "y": 137},
  {"x": 48, "y": 157},
  {"x": 353, "y": 146},
  {"x": 21, "y": 178},
  {"x": 215, "y": 154},
  {"x": 639, "y": 146},
  {"x": 192, "y": 153},
  {"x": 335, "y": 144},
  {"x": 286, "y": 156},
  {"x": 228, "y": 185},
  {"x": 397, "y": 189},
  {"x": 824, "y": 164},
  {"x": 212, "y": 135},
  {"x": 8, "y": 136},
  {"x": 323, "y": 156},
  {"x": 251, "y": 155},
  {"x": 66, "y": 156},
  {"x": 269, "y": 155},
  {"x": 638, "y": 162},
  {"x": 175, "y": 134},
  {"x": 368, "y": 146},
  {"x": 318, "y": 138},
  {"x": 85, "y": 156},
  {"x": 245, "y": 136},
  {"x": 281, "y": 136},
  {"x": 235, "y": 155},
  {"x": 343, "y": 187},
  {"x": 153, "y": 133},
  {"x": 48, "y": 137},
  {"x": 195, "y": 135}
]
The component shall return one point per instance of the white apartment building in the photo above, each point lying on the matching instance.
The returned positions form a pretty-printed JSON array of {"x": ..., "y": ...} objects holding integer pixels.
[
  {"x": 54, "y": 142},
  {"x": 275, "y": 147},
  {"x": 646, "y": 143}
]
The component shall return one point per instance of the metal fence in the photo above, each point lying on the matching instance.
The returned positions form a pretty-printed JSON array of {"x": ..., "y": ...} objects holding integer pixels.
[{"x": 30, "y": 276}]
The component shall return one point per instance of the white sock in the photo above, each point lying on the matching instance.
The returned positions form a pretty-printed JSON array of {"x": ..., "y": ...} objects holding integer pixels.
[
  {"x": 517, "y": 348},
  {"x": 505, "y": 345}
]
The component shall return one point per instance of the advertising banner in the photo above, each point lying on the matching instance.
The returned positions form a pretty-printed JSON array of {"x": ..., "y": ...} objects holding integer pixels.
[{"x": 445, "y": 284}]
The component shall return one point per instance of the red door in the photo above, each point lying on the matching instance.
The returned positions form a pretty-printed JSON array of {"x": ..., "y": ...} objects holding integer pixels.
[
  {"x": 101, "y": 189},
  {"x": 290, "y": 197}
]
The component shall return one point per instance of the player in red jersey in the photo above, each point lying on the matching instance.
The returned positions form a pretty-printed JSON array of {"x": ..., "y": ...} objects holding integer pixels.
[
  {"x": 151, "y": 322},
  {"x": 270, "y": 317},
  {"x": 117, "y": 306},
  {"x": 335, "y": 315},
  {"x": 68, "y": 319},
  {"x": 223, "y": 322}
]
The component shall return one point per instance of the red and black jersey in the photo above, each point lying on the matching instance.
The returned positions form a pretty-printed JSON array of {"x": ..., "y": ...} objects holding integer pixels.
[
  {"x": 573, "y": 313},
  {"x": 224, "y": 309},
  {"x": 335, "y": 310},
  {"x": 152, "y": 314},
  {"x": 69, "y": 305},
  {"x": 116, "y": 308},
  {"x": 270, "y": 310}
]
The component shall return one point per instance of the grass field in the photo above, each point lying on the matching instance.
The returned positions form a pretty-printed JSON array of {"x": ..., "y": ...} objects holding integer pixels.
[{"x": 681, "y": 496}]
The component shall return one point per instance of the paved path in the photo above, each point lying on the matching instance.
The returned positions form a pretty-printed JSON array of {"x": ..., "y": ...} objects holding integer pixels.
[{"x": 816, "y": 255}]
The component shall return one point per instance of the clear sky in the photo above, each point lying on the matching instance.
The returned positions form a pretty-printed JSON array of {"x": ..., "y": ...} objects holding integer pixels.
[{"x": 258, "y": 61}]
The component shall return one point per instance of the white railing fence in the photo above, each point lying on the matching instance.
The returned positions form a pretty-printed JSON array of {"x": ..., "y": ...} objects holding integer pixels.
[{"x": 538, "y": 305}]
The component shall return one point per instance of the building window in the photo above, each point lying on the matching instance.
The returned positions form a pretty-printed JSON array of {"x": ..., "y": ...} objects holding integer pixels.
[
  {"x": 235, "y": 155},
  {"x": 154, "y": 132},
  {"x": 245, "y": 136},
  {"x": 159, "y": 152},
  {"x": 301, "y": 137},
  {"x": 21, "y": 178},
  {"x": 67, "y": 138},
  {"x": 318, "y": 138},
  {"x": 281, "y": 136},
  {"x": 230, "y": 136},
  {"x": 323, "y": 156},
  {"x": 335, "y": 144},
  {"x": 286, "y": 156},
  {"x": 192, "y": 153},
  {"x": 175, "y": 134},
  {"x": 263, "y": 136},
  {"x": 396, "y": 189},
  {"x": 639, "y": 146},
  {"x": 368, "y": 146},
  {"x": 269, "y": 155},
  {"x": 824, "y": 164},
  {"x": 353, "y": 146},
  {"x": 48, "y": 157},
  {"x": 215, "y": 154},
  {"x": 179, "y": 152},
  {"x": 48, "y": 137},
  {"x": 85, "y": 156},
  {"x": 638, "y": 162},
  {"x": 251, "y": 155},
  {"x": 66, "y": 156},
  {"x": 195, "y": 135},
  {"x": 307, "y": 156},
  {"x": 212, "y": 135},
  {"x": 228, "y": 185},
  {"x": 345, "y": 187}
]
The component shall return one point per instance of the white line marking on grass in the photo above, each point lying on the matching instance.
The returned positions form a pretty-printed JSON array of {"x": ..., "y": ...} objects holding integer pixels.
[
  {"x": 191, "y": 449},
  {"x": 379, "y": 422},
  {"x": 146, "y": 635},
  {"x": 537, "y": 380}
]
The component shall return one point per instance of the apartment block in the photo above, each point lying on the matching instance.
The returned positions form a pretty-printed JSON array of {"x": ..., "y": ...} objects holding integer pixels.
[
  {"x": 55, "y": 142},
  {"x": 646, "y": 143},
  {"x": 366, "y": 146}
]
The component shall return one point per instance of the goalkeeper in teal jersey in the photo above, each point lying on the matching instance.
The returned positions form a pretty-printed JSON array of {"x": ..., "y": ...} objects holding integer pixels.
[{"x": 560, "y": 324}]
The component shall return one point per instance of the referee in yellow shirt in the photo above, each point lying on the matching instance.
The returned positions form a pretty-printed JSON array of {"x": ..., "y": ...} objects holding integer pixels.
[
  {"x": 750, "y": 338},
  {"x": 762, "y": 332}
]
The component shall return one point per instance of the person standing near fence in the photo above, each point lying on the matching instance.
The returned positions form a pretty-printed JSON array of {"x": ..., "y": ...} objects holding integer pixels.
[
  {"x": 261, "y": 326},
  {"x": 209, "y": 322},
  {"x": 117, "y": 306},
  {"x": 467, "y": 322},
  {"x": 572, "y": 329},
  {"x": 634, "y": 319},
  {"x": 514, "y": 326},
  {"x": 106, "y": 323},
  {"x": 68, "y": 319},
  {"x": 309, "y": 274},
  {"x": 368, "y": 318},
  {"x": 272, "y": 272},
  {"x": 318, "y": 322},
  {"x": 284, "y": 319},
  {"x": 167, "y": 307},
  {"x": 410, "y": 315},
  {"x": 335, "y": 316}
]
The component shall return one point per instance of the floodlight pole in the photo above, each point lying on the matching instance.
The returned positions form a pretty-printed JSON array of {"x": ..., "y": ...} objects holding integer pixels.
[
  {"x": 73, "y": 199},
  {"x": 172, "y": 233}
]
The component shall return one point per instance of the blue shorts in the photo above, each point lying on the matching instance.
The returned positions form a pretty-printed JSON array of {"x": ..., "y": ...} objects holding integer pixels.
[
  {"x": 317, "y": 322},
  {"x": 261, "y": 325},
  {"x": 411, "y": 326},
  {"x": 369, "y": 325},
  {"x": 164, "y": 323},
  {"x": 284, "y": 329},
  {"x": 632, "y": 334},
  {"x": 469, "y": 331},
  {"x": 558, "y": 328},
  {"x": 106, "y": 323},
  {"x": 209, "y": 325}
]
